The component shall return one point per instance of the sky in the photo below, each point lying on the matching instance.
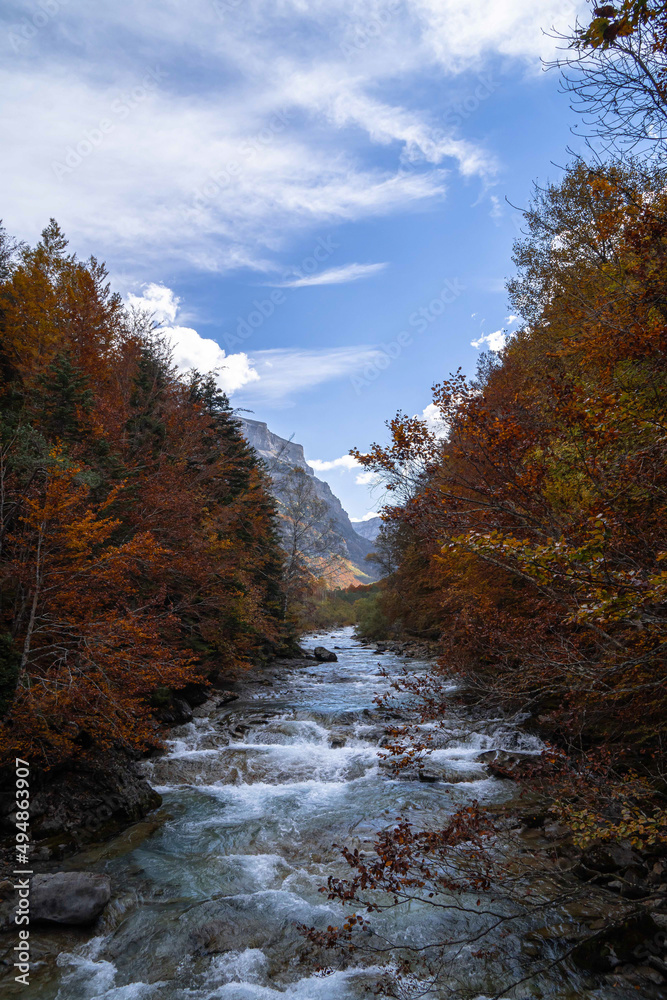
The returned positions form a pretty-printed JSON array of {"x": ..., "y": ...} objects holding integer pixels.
[{"x": 317, "y": 198}]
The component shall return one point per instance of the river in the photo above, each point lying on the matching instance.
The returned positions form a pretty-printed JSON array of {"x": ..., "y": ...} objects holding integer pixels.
[{"x": 207, "y": 895}]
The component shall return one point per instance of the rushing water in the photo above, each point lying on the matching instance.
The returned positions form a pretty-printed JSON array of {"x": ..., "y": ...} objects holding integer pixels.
[{"x": 206, "y": 899}]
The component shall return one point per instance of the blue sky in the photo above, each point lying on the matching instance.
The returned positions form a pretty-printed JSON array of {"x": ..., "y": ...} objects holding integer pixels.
[{"x": 309, "y": 194}]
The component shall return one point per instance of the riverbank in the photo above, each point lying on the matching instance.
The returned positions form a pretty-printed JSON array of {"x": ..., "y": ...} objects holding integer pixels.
[{"x": 620, "y": 933}]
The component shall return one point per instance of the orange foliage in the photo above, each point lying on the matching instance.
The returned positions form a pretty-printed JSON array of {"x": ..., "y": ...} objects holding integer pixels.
[
  {"x": 138, "y": 546},
  {"x": 535, "y": 534}
]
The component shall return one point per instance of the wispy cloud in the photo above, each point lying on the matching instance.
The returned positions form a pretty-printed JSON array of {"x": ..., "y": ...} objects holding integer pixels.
[
  {"x": 270, "y": 377},
  {"x": 283, "y": 373},
  {"x": 212, "y": 136},
  {"x": 344, "y": 462},
  {"x": 336, "y": 275}
]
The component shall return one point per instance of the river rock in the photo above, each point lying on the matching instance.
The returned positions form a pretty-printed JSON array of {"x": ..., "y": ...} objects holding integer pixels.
[
  {"x": 226, "y": 698},
  {"x": 619, "y": 943},
  {"x": 303, "y": 654},
  {"x": 610, "y": 858},
  {"x": 83, "y": 800},
  {"x": 177, "y": 712},
  {"x": 194, "y": 693},
  {"x": 203, "y": 711},
  {"x": 325, "y": 655},
  {"x": 510, "y": 765},
  {"x": 69, "y": 897}
]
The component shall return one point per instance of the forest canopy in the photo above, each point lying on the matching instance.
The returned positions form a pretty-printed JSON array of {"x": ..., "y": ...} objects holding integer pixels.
[{"x": 138, "y": 542}]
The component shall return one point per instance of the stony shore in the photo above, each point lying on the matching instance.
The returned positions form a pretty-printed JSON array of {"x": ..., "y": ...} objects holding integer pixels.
[{"x": 618, "y": 930}]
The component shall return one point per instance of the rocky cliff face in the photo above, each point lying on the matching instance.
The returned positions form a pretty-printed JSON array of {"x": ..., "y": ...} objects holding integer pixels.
[
  {"x": 273, "y": 448},
  {"x": 278, "y": 452},
  {"x": 368, "y": 529}
]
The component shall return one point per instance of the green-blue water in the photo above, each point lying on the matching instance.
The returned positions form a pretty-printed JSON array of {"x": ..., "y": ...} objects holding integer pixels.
[{"x": 206, "y": 900}]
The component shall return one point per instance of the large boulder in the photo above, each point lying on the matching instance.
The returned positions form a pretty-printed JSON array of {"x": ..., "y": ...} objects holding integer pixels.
[
  {"x": 617, "y": 944},
  {"x": 194, "y": 693},
  {"x": 69, "y": 897},
  {"x": 82, "y": 801},
  {"x": 324, "y": 655},
  {"x": 609, "y": 857}
]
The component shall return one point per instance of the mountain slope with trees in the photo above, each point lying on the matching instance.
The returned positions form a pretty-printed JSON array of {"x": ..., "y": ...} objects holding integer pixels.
[
  {"x": 534, "y": 534},
  {"x": 139, "y": 545}
]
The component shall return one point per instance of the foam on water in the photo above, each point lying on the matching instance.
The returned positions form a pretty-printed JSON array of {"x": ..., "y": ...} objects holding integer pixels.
[
  {"x": 337, "y": 986},
  {"x": 88, "y": 977},
  {"x": 248, "y": 966},
  {"x": 250, "y": 816}
]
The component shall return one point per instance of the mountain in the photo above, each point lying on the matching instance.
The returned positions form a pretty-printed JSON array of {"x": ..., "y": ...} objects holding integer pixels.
[
  {"x": 279, "y": 454},
  {"x": 368, "y": 529}
]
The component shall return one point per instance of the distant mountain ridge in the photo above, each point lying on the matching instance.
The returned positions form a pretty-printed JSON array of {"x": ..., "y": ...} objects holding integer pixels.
[
  {"x": 368, "y": 529},
  {"x": 278, "y": 451}
]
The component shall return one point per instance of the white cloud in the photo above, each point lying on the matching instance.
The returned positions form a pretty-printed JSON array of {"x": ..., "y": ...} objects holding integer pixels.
[
  {"x": 344, "y": 462},
  {"x": 158, "y": 300},
  {"x": 496, "y": 212},
  {"x": 211, "y": 135},
  {"x": 176, "y": 180},
  {"x": 495, "y": 341},
  {"x": 363, "y": 478},
  {"x": 336, "y": 275},
  {"x": 190, "y": 350},
  {"x": 460, "y": 33},
  {"x": 433, "y": 418},
  {"x": 367, "y": 478},
  {"x": 286, "y": 371},
  {"x": 511, "y": 319},
  {"x": 367, "y": 517}
]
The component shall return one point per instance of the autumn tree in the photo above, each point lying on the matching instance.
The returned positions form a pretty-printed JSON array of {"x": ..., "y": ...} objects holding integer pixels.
[
  {"x": 614, "y": 68},
  {"x": 313, "y": 548},
  {"x": 549, "y": 489},
  {"x": 138, "y": 537}
]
